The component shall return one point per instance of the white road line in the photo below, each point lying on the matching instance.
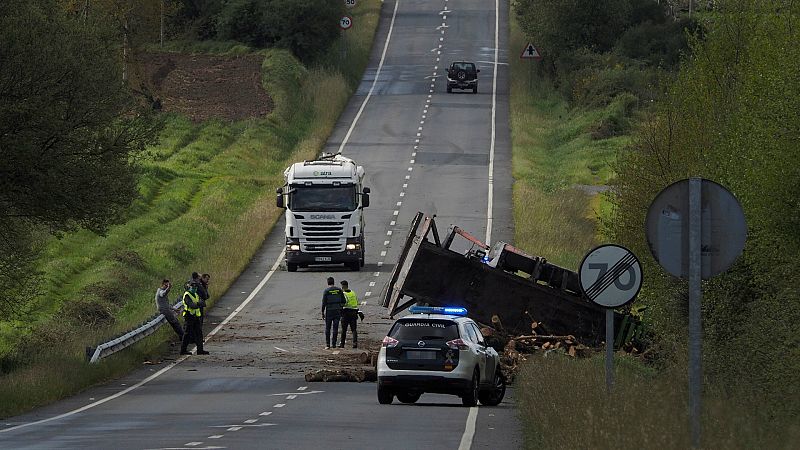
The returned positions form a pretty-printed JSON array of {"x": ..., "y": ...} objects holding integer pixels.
[
  {"x": 281, "y": 394},
  {"x": 367, "y": 294},
  {"x": 192, "y": 444},
  {"x": 371, "y": 283},
  {"x": 489, "y": 211},
  {"x": 291, "y": 397},
  {"x": 302, "y": 388},
  {"x": 216, "y": 436},
  {"x": 405, "y": 185},
  {"x": 165, "y": 369},
  {"x": 374, "y": 81},
  {"x": 251, "y": 421},
  {"x": 377, "y": 274},
  {"x": 408, "y": 177},
  {"x": 280, "y": 349},
  {"x": 380, "y": 263},
  {"x": 469, "y": 429},
  {"x": 392, "y": 223},
  {"x": 279, "y": 405},
  {"x": 234, "y": 428},
  {"x": 265, "y": 413},
  {"x": 385, "y": 243}
]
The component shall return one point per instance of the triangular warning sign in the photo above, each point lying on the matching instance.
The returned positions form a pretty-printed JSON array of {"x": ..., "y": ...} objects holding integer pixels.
[{"x": 530, "y": 52}]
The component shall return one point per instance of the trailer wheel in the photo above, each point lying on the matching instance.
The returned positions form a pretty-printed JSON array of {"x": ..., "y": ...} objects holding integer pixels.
[{"x": 291, "y": 267}]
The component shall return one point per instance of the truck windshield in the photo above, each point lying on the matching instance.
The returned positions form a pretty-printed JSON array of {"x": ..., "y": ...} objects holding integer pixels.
[{"x": 322, "y": 198}]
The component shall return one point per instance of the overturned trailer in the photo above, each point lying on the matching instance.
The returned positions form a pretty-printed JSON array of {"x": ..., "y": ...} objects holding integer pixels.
[{"x": 501, "y": 280}]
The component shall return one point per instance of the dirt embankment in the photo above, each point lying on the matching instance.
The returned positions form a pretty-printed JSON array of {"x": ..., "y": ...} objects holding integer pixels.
[{"x": 203, "y": 87}]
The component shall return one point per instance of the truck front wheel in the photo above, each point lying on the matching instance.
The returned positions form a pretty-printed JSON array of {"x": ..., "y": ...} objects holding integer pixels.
[
  {"x": 355, "y": 266},
  {"x": 291, "y": 267}
]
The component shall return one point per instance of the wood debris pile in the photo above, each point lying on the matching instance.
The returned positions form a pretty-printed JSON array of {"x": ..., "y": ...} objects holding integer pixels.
[
  {"x": 513, "y": 349},
  {"x": 358, "y": 374}
]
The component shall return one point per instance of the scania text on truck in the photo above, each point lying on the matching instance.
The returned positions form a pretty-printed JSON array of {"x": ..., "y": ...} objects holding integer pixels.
[{"x": 324, "y": 201}]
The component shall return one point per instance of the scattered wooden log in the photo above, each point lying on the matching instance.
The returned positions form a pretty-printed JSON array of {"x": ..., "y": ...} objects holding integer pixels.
[{"x": 342, "y": 375}]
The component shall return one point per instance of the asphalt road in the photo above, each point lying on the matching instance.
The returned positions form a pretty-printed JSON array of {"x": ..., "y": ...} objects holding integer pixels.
[{"x": 423, "y": 150}]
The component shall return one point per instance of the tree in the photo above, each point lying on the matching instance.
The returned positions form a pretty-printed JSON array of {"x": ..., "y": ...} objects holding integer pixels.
[{"x": 70, "y": 130}]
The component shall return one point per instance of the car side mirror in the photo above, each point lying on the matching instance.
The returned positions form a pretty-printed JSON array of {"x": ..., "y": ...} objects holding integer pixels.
[
  {"x": 279, "y": 198},
  {"x": 365, "y": 197},
  {"x": 478, "y": 70}
]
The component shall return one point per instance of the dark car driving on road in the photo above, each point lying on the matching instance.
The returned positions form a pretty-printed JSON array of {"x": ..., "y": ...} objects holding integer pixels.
[{"x": 462, "y": 75}]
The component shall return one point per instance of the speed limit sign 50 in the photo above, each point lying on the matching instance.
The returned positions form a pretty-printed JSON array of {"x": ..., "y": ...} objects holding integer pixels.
[
  {"x": 610, "y": 275},
  {"x": 350, "y": 3},
  {"x": 346, "y": 22}
]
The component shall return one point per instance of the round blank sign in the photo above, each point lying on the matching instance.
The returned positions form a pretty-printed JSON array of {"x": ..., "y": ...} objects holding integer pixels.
[
  {"x": 610, "y": 275},
  {"x": 723, "y": 229}
]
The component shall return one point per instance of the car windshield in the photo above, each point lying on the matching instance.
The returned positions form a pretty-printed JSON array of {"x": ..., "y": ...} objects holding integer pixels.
[
  {"x": 469, "y": 67},
  {"x": 421, "y": 329},
  {"x": 323, "y": 198}
]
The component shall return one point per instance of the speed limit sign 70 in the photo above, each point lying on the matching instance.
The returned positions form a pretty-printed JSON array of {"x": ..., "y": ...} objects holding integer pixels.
[
  {"x": 610, "y": 275},
  {"x": 345, "y": 22}
]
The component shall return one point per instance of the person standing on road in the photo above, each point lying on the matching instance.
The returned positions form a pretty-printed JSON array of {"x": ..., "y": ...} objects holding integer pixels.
[
  {"x": 193, "y": 333},
  {"x": 349, "y": 314},
  {"x": 332, "y": 302},
  {"x": 202, "y": 291},
  {"x": 163, "y": 306}
]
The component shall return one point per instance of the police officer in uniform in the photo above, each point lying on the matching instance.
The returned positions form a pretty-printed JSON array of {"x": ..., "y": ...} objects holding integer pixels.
[
  {"x": 332, "y": 302},
  {"x": 192, "y": 313},
  {"x": 349, "y": 314}
]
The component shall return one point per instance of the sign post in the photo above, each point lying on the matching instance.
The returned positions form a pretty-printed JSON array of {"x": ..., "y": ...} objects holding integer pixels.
[
  {"x": 695, "y": 229},
  {"x": 530, "y": 52},
  {"x": 345, "y": 23},
  {"x": 610, "y": 276}
]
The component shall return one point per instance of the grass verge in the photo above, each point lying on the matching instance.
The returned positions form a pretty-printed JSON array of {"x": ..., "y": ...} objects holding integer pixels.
[
  {"x": 559, "y": 156},
  {"x": 207, "y": 202}
]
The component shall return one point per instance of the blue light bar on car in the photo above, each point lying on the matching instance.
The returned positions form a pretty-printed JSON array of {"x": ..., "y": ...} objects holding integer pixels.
[{"x": 449, "y": 310}]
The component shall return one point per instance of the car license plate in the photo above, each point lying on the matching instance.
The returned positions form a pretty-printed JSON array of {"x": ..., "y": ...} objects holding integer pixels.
[
  {"x": 420, "y": 354},
  {"x": 322, "y": 259}
]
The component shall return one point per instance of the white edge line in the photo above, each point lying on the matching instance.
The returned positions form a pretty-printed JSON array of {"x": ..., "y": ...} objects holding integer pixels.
[
  {"x": 489, "y": 212},
  {"x": 165, "y": 369},
  {"x": 469, "y": 429},
  {"x": 374, "y": 81}
]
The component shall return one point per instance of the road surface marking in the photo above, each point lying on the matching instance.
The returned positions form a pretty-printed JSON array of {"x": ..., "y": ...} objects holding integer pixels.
[
  {"x": 296, "y": 393},
  {"x": 279, "y": 405},
  {"x": 392, "y": 223},
  {"x": 216, "y": 436},
  {"x": 489, "y": 212},
  {"x": 265, "y": 413},
  {"x": 291, "y": 397},
  {"x": 234, "y": 428},
  {"x": 302, "y": 388},
  {"x": 469, "y": 429},
  {"x": 374, "y": 81},
  {"x": 251, "y": 421},
  {"x": 192, "y": 444},
  {"x": 367, "y": 294},
  {"x": 281, "y": 350}
]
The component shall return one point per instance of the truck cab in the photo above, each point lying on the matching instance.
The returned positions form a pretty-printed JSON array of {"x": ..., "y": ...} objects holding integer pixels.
[{"x": 324, "y": 201}]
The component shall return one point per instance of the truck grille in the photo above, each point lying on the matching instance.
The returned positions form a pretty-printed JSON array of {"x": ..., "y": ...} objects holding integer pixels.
[{"x": 322, "y": 236}]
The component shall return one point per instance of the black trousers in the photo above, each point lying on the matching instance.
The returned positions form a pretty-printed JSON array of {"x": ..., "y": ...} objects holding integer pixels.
[
  {"x": 332, "y": 324},
  {"x": 192, "y": 333},
  {"x": 349, "y": 318}
]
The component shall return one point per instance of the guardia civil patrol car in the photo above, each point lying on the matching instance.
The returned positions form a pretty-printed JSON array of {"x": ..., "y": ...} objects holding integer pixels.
[{"x": 438, "y": 350}]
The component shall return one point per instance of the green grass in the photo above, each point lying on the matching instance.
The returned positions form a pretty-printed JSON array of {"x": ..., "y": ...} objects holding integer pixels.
[
  {"x": 206, "y": 203},
  {"x": 562, "y": 401},
  {"x": 564, "y": 405},
  {"x": 554, "y": 155}
]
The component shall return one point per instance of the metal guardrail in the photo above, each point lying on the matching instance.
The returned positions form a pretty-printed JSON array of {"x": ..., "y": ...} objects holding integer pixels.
[{"x": 127, "y": 339}]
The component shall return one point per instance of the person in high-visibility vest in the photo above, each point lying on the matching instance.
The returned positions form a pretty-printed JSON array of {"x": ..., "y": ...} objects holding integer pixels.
[
  {"x": 192, "y": 312},
  {"x": 349, "y": 314}
]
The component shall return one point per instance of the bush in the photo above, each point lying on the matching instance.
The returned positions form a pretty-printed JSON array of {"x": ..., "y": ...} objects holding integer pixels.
[
  {"x": 306, "y": 27},
  {"x": 657, "y": 44}
]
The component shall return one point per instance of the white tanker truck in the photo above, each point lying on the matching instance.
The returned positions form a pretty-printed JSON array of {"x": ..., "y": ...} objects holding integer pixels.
[{"x": 324, "y": 201}]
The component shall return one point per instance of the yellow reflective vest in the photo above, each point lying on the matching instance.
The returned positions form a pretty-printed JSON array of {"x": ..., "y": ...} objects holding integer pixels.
[
  {"x": 350, "y": 300},
  {"x": 195, "y": 300}
]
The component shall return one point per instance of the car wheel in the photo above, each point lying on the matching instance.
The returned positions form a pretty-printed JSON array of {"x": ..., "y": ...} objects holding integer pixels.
[
  {"x": 291, "y": 267},
  {"x": 385, "y": 396},
  {"x": 494, "y": 395},
  {"x": 461, "y": 75},
  {"x": 470, "y": 397},
  {"x": 409, "y": 397},
  {"x": 449, "y": 90},
  {"x": 355, "y": 266},
  {"x": 475, "y": 90}
]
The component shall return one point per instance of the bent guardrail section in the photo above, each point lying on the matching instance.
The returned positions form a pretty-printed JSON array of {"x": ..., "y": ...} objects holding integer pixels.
[{"x": 127, "y": 339}]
